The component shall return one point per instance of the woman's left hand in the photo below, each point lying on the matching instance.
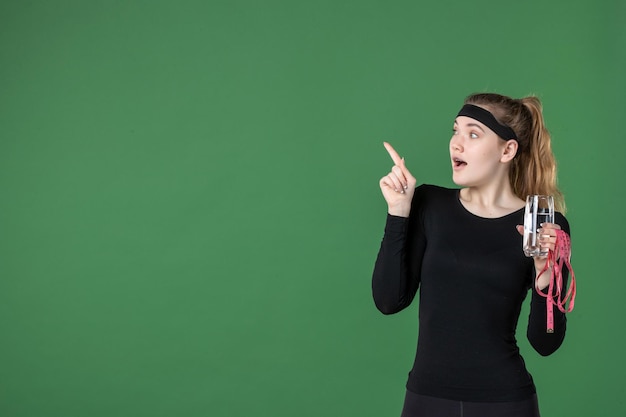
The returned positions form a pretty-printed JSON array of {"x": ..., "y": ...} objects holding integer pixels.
[{"x": 547, "y": 240}]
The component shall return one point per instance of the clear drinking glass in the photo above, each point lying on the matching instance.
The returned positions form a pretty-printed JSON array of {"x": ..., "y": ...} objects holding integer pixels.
[{"x": 539, "y": 209}]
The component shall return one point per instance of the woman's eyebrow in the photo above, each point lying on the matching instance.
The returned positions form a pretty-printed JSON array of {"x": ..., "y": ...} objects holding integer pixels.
[
  {"x": 476, "y": 125},
  {"x": 470, "y": 124}
]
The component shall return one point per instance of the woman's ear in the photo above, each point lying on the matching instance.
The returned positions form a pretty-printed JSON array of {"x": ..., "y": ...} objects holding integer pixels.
[{"x": 509, "y": 151}]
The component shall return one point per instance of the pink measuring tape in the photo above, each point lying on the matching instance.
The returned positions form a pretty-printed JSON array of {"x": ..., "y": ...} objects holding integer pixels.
[{"x": 557, "y": 258}]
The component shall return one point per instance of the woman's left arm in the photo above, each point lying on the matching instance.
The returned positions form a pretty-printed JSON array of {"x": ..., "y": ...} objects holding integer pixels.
[
  {"x": 546, "y": 343},
  {"x": 547, "y": 240}
]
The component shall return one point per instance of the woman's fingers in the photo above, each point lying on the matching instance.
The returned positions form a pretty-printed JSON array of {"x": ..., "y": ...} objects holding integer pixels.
[
  {"x": 547, "y": 235},
  {"x": 396, "y": 178},
  {"x": 393, "y": 182},
  {"x": 411, "y": 181},
  {"x": 393, "y": 154},
  {"x": 399, "y": 169},
  {"x": 398, "y": 185},
  {"x": 550, "y": 226},
  {"x": 399, "y": 174},
  {"x": 548, "y": 231}
]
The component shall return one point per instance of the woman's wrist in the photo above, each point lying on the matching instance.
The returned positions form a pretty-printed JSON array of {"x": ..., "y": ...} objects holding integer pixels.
[
  {"x": 400, "y": 211},
  {"x": 542, "y": 279}
]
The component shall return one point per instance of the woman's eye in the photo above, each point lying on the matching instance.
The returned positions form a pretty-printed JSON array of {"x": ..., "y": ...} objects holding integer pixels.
[
  {"x": 473, "y": 135},
  {"x": 454, "y": 132}
]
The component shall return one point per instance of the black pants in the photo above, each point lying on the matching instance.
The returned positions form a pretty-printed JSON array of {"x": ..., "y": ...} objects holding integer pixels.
[{"x": 416, "y": 405}]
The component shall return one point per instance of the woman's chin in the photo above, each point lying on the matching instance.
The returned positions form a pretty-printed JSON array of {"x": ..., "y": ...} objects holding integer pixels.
[{"x": 458, "y": 181}]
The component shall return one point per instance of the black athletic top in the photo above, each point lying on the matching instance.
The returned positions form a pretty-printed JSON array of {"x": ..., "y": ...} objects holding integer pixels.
[{"x": 473, "y": 277}]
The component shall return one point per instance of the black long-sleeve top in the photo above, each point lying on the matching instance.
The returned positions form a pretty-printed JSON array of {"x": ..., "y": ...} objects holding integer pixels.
[{"x": 473, "y": 277}]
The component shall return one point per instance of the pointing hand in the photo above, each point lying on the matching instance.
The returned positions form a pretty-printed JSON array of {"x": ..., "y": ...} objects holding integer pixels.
[{"x": 398, "y": 185}]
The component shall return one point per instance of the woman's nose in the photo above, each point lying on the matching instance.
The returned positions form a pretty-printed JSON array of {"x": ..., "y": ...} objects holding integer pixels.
[{"x": 455, "y": 145}]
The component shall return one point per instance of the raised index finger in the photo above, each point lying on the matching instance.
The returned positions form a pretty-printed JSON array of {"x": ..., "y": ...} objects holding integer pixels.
[{"x": 394, "y": 155}]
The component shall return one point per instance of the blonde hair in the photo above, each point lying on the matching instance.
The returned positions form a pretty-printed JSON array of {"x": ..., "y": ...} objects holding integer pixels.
[{"x": 533, "y": 170}]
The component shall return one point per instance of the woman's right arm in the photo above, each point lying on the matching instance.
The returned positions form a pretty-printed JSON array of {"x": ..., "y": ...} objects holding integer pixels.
[{"x": 396, "y": 273}]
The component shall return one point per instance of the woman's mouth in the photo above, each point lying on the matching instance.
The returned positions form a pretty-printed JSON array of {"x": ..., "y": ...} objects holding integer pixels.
[{"x": 458, "y": 163}]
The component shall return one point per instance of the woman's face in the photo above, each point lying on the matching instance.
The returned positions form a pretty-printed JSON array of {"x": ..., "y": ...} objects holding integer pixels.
[{"x": 477, "y": 154}]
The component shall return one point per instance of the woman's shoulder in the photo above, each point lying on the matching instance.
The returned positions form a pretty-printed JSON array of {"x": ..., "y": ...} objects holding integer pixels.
[
  {"x": 561, "y": 220},
  {"x": 436, "y": 190},
  {"x": 434, "y": 196}
]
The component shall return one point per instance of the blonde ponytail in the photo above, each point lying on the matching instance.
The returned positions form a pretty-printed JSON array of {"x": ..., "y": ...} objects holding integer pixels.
[{"x": 534, "y": 171}]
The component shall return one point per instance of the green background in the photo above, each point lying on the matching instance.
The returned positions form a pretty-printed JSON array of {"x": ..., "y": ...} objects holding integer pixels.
[{"x": 190, "y": 208}]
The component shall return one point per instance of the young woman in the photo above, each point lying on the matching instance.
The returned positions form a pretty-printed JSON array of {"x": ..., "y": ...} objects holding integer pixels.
[{"x": 462, "y": 248}]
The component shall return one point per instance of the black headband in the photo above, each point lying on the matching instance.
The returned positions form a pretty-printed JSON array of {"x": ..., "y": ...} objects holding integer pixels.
[{"x": 486, "y": 118}]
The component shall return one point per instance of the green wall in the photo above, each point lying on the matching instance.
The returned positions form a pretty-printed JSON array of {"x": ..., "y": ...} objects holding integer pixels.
[{"x": 190, "y": 212}]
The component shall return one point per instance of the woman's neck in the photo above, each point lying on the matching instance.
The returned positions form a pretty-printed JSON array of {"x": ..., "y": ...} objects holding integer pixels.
[{"x": 490, "y": 202}]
